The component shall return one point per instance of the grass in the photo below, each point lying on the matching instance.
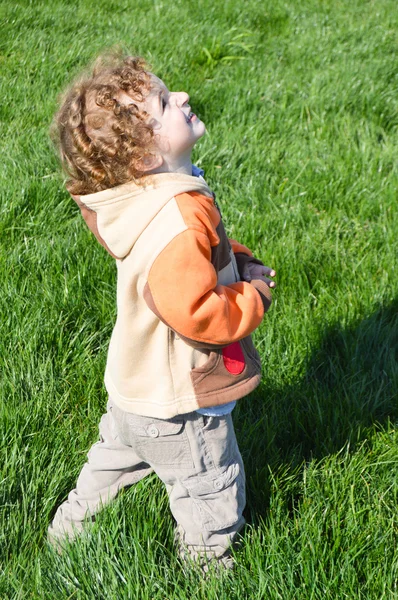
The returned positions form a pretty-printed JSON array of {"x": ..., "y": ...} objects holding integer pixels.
[{"x": 300, "y": 102}]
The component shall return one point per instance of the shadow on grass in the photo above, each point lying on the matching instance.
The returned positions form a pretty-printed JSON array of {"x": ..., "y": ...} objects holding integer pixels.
[{"x": 350, "y": 385}]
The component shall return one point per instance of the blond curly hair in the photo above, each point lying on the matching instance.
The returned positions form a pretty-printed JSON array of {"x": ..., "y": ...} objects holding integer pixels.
[{"x": 101, "y": 141}]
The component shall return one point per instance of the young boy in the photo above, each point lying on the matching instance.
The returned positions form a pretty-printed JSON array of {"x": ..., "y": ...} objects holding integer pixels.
[{"x": 188, "y": 299}]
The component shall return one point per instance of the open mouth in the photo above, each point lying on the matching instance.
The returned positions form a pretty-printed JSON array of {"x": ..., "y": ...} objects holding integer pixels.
[{"x": 190, "y": 117}]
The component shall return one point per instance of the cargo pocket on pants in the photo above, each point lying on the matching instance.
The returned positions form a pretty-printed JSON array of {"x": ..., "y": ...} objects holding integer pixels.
[{"x": 218, "y": 500}]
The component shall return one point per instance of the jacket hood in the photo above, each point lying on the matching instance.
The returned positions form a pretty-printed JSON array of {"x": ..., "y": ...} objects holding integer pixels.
[{"x": 117, "y": 216}]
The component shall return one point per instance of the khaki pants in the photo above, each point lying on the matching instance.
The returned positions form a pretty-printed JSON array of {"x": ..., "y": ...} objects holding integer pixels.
[{"x": 196, "y": 457}]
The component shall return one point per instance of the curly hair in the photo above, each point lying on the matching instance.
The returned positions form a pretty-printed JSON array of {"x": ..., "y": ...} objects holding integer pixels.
[{"x": 101, "y": 140}]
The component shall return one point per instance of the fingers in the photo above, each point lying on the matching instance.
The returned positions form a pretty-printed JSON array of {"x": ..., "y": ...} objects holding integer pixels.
[
  {"x": 255, "y": 271},
  {"x": 268, "y": 271},
  {"x": 269, "y": 282}
]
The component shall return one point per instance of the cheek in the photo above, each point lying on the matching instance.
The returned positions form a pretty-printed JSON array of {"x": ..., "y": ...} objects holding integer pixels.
[{"x": 162, "y": 143}]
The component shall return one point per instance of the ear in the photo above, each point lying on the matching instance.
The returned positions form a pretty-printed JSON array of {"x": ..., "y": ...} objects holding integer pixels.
[{"x": 149, "y": 162}]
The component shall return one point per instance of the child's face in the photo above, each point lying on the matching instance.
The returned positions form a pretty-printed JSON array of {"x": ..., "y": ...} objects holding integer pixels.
[{"x": 176, "y": 128}]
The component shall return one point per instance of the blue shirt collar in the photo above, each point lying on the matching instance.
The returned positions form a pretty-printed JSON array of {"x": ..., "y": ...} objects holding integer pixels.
[{"x": 197, "y": 171}]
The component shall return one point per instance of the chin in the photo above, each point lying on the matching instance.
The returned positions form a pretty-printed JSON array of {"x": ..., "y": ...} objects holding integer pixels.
[{"x": 201, "y": 129}]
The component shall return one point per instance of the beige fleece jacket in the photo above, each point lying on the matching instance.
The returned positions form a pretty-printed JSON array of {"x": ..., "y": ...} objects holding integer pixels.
[{"x": 181, "y": 340}]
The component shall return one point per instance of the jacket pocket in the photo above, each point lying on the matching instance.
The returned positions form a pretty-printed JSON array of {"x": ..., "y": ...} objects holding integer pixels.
[
  {"x": 209, "y": 366},
  {"x": 250, "y": 351},
  {"x": 225, "y": 368}
]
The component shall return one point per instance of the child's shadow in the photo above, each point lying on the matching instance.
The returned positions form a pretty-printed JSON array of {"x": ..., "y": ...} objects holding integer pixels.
[{"x": 350, "y": 383}]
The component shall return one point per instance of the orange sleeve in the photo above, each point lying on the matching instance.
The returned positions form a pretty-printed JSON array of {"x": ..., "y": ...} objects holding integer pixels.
[
  {"x": 182, "y": 290},
  {"x": 237, "y": 247}
]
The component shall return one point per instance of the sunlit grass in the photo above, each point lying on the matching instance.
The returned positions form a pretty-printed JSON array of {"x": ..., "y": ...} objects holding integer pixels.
[{"x": 300, "y": 103}]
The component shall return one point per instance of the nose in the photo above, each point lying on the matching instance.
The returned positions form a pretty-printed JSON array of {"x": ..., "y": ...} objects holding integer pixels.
[{"x": 181, "y": 98}]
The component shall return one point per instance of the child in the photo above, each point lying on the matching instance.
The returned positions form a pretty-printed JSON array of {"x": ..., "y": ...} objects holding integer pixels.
[{"x": 188, "y": 299}]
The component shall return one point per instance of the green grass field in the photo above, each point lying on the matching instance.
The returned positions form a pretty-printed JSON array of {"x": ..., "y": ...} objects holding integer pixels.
[{"x": 300, "y": 98}]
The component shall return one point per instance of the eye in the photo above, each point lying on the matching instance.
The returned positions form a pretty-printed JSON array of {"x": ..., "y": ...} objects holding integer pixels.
[{"x": 163, "y": 103}]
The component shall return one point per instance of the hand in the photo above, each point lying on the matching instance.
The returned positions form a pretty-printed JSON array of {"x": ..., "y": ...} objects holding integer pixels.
[{"x": 254, "y": 271}]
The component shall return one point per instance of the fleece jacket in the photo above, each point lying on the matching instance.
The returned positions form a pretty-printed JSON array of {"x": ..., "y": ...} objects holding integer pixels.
[{"x": 181, "y": 340}]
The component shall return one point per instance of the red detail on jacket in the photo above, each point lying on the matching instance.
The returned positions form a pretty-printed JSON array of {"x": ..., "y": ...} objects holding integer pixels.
[{"x": 234, "y": 359}]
